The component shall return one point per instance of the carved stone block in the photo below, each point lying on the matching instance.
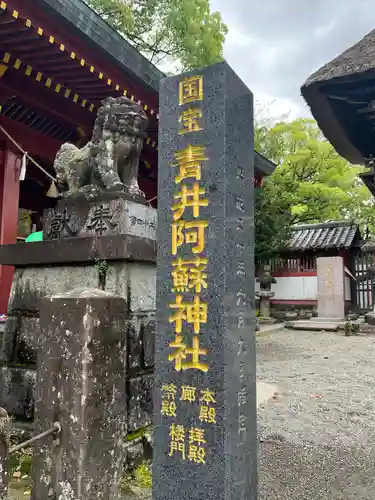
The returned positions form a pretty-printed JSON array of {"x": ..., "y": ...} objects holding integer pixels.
[{"x": 103, "y": 217}]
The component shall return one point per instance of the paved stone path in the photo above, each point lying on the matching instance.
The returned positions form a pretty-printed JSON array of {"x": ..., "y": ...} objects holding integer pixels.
[{"x": 317, "y": 438}]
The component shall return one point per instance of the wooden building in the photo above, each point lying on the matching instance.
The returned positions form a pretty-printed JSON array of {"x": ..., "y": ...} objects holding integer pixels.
[
  {"x": 296, "y": 273},
  {"x": 58, "y": 61},
  {"x": 341, "y": 96}
]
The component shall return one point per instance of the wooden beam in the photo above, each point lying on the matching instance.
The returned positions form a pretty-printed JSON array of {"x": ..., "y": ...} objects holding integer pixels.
[
  {"x": 41, "y": 17},
  {"x": 38, "y": 52},
  {"x": 71, "y": 75},
  {"x": 35, "y": 94},
  {"x": 7, "y": 25},
  {"x": 14, "y": 37},
  {"x": 30, "y": 140},
  {"x": 48, "y": 62},
  {"x": 93, "y": 94}
]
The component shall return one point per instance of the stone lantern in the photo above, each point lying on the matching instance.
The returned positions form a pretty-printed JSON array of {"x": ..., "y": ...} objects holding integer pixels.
[{"x": 265, "y": 294}]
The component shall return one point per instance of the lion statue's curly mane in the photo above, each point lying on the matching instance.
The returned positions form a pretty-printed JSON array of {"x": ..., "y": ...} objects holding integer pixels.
[{"x": 110, "y": 160}]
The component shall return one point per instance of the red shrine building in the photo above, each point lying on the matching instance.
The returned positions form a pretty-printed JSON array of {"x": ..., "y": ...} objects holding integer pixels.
[{"x": 58, "y": 61}]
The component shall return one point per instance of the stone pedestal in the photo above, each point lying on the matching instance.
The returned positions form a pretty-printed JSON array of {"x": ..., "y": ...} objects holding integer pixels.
[{"x": 120, "y": 261}]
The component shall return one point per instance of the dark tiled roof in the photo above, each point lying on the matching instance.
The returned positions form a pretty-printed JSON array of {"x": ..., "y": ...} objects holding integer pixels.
[
  {"x": 263, "y": 164},
  {"x": 323, "y": 236}
]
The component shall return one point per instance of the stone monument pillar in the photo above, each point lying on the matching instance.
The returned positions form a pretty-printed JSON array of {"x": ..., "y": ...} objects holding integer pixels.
[
  {"x": 204, "y": 396},
  {"x": 331, "y": 297},
  {"x": 331, "y": 294}
]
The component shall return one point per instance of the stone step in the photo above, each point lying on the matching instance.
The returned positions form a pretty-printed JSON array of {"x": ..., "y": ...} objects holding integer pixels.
[
  {"x": 320, "y": 325},
  {"x": 311, "y": 325}
]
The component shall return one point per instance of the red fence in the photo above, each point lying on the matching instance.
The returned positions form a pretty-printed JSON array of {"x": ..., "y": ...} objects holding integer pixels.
[{"x": 301, "y": 264}]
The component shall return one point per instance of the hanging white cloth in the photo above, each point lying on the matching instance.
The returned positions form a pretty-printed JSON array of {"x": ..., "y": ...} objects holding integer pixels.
[{"x": 23, "y": 167}]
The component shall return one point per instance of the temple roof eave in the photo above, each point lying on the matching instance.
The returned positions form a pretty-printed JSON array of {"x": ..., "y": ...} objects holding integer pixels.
[
  {"x": 330, "y": 125},
  {"x": 331, "y": 87},
  {"x": 87, "y": 23}
]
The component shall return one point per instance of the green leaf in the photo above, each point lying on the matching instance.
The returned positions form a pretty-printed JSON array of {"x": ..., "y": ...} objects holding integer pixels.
[
  {"x": 311, "y": 183},
  {"x": 185, "y": 32}
]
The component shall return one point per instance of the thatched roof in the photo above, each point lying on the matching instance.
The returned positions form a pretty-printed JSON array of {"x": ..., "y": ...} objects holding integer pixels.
[
  {"x": 359, "y": 58},
  {"x": 329, "y": 93}
]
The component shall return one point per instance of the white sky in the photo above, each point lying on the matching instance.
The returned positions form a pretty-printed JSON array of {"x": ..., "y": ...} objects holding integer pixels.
[{"x": 274, "y": 45}]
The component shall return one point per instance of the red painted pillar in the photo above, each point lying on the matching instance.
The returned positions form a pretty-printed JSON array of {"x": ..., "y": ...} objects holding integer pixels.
[
  {"x": 9, "y": 198},
  {"x": 258, "y": 181}
]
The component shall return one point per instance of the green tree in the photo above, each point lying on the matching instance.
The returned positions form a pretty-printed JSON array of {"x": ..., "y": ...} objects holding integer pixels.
[
  {"x": 165, "y": 31},
  {"x": 317, "y": 183},
  {"x": 311, "y": 184},
  {"x": 272, "y": 222}
]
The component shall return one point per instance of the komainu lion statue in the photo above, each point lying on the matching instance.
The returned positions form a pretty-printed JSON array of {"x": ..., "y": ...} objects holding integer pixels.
[{"x": 110, "y": 160}]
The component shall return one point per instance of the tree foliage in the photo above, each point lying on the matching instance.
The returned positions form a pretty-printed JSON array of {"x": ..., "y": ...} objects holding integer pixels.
[
  {"x": 311, "y": 183},
  {"x": 272, "y": 223},
  {"x": 165, "y": 31}
]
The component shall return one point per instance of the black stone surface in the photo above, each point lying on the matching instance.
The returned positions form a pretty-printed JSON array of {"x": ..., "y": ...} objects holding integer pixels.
[
  {"x": 19, "y": 343},
  {"x": 148, "y": 341},
  {"x": 78, "y": 250},
  {"x": 229, "y": 471},
  {"x": 17, "y": 391},
  {"x": 24, "y": 297},
  {"x": 27, "y": 341},
  {"x": 133, "y": 334},
  {"x": 140, "y": 402},
  {"x": 7, "y": 344},
  {"x": 141, "y": 343}
]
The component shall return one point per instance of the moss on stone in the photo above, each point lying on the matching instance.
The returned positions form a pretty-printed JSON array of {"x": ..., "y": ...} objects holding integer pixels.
[{"x": 141, "y": 477}]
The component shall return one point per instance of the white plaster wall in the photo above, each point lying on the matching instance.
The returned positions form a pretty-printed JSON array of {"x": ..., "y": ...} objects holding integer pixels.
[
  {"x": 294, "y": 288},
  {"x": 300, "y": 288}
]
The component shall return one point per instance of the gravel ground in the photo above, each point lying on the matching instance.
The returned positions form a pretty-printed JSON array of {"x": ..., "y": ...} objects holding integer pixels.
[{"x": 317, "y": 438}]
